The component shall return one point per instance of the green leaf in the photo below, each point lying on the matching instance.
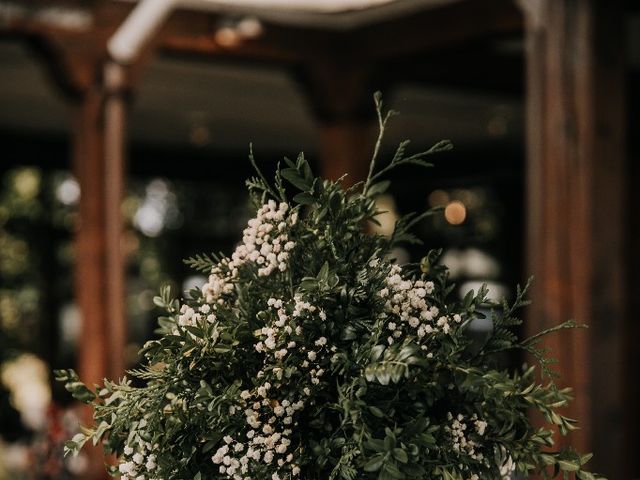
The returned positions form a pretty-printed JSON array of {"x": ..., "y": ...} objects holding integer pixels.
[
  {"x": 100, "y": 431},
  {"x": 203, "y": 263},
  {"x": 568, "y": 466},
  {"x": 400, "y": 455},
  {"x": 584, "y": 475},
  {"x": 585, "y": 458},
  {"x": 80, "y": 392},
  {"x": 389, "y": 442},
  {"x": 378, "y": 188},
  {"x": 304, "y": 198},
  {"x": 414, "y": 470},
  {"x": 323, "y": 274},
  {"x": 292, "y": 176},
  {"x": 376, "y": 412},
  {"x": 374, "y": 463},
  {"x": 375, "y": 444},
  {"x": 393, "y": 471}
]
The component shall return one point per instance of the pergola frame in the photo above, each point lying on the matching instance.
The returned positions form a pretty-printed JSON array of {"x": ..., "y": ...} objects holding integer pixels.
[{"x": 576, "y": 170}]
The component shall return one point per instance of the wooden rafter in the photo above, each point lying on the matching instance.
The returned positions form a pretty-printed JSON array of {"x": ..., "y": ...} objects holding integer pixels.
[{"x": 190, "y": 31}]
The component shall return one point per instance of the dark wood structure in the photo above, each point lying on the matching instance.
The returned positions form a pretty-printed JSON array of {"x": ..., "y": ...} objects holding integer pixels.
[{"x": 577, "y": 185}]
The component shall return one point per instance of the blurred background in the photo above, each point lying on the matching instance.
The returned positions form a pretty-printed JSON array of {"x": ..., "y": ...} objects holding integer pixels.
[{"x": 124, "y": 133}]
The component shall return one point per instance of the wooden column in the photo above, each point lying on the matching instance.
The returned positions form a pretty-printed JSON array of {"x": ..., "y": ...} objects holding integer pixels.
[
  {"x": 100, "y": 271},
  {"x": 90, "y": 253},
  {"x": 98, "y": 163},
  {"x": 95, "y": 91},
  {"x": 90, "y": 239},
  {"x": 342, "y": 101},
  {"x": 345, "y": 147},
  {"x": 576, "y": 200},
  {"x": 115, "y": 110}
]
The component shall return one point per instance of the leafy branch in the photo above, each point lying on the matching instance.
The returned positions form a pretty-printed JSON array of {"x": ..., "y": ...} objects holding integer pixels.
[
  {"x": 399, "y": 158},
  {"x": 261, "y": 184},
  {"x": 202, "y": 262}
]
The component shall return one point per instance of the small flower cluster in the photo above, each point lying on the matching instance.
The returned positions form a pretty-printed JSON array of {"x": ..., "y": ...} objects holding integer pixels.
[
  {"x": 269, "y": 414},
  {"x": 190, "y": 317},
  {"x": 265, "y": 242},
  {"x": 507, "y": 466},
  {"x": 407, "y": 311},
  {"x": 138, "y": 463},
  {"x": 286, "y": 333},
  {"x": 267, "y": 440},
  {"x": 457, "y": 429}
]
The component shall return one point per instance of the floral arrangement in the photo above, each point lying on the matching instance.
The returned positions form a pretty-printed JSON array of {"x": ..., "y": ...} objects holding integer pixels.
[{"x": 309, "y": 354}]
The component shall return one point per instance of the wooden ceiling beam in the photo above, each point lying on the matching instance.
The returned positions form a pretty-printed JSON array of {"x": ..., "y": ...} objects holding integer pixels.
[
  {"x": 450, "y": 25},
  {"x": 193, "y": 32},
  {"x": 73, "y": 53}
]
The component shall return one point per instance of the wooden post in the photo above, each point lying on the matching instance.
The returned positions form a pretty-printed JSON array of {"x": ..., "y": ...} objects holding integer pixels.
[
  {"x": 345, "y": 147},
  {"x": 342, "y": 102},
  {"x": 90, "y": 239},
  {"x": 98, "y": 163},
  {"x": 575, "y": 204},
  {"x": 115, "y": 110},
  {"x": 90, "y": 252},
  {"x": 96, "y": 92},
  {"x": 98, "y": 138}
]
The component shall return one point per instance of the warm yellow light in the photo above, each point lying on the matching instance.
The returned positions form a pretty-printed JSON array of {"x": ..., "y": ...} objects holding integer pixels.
[
  {"x": 227, "y": 37},
  {"x": 27, "y": 183},
  {"x": 387, "y": 220},
  {"x": 455, "y": 213}
]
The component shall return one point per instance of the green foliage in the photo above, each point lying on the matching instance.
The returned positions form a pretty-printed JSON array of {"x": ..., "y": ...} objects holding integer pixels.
[
  {"x": 202, "y": 262},
  {"x": 309, "y": 354}
]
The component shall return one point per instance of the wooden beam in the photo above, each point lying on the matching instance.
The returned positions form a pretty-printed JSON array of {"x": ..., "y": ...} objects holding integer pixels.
[
  {"x": 450, "y": 25},
  {"x": 188, "y": 31},
  {"x": 454, "y": 24},
  {"x": 576, "y": 179},
  {"x": 194, "y": 32}
]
